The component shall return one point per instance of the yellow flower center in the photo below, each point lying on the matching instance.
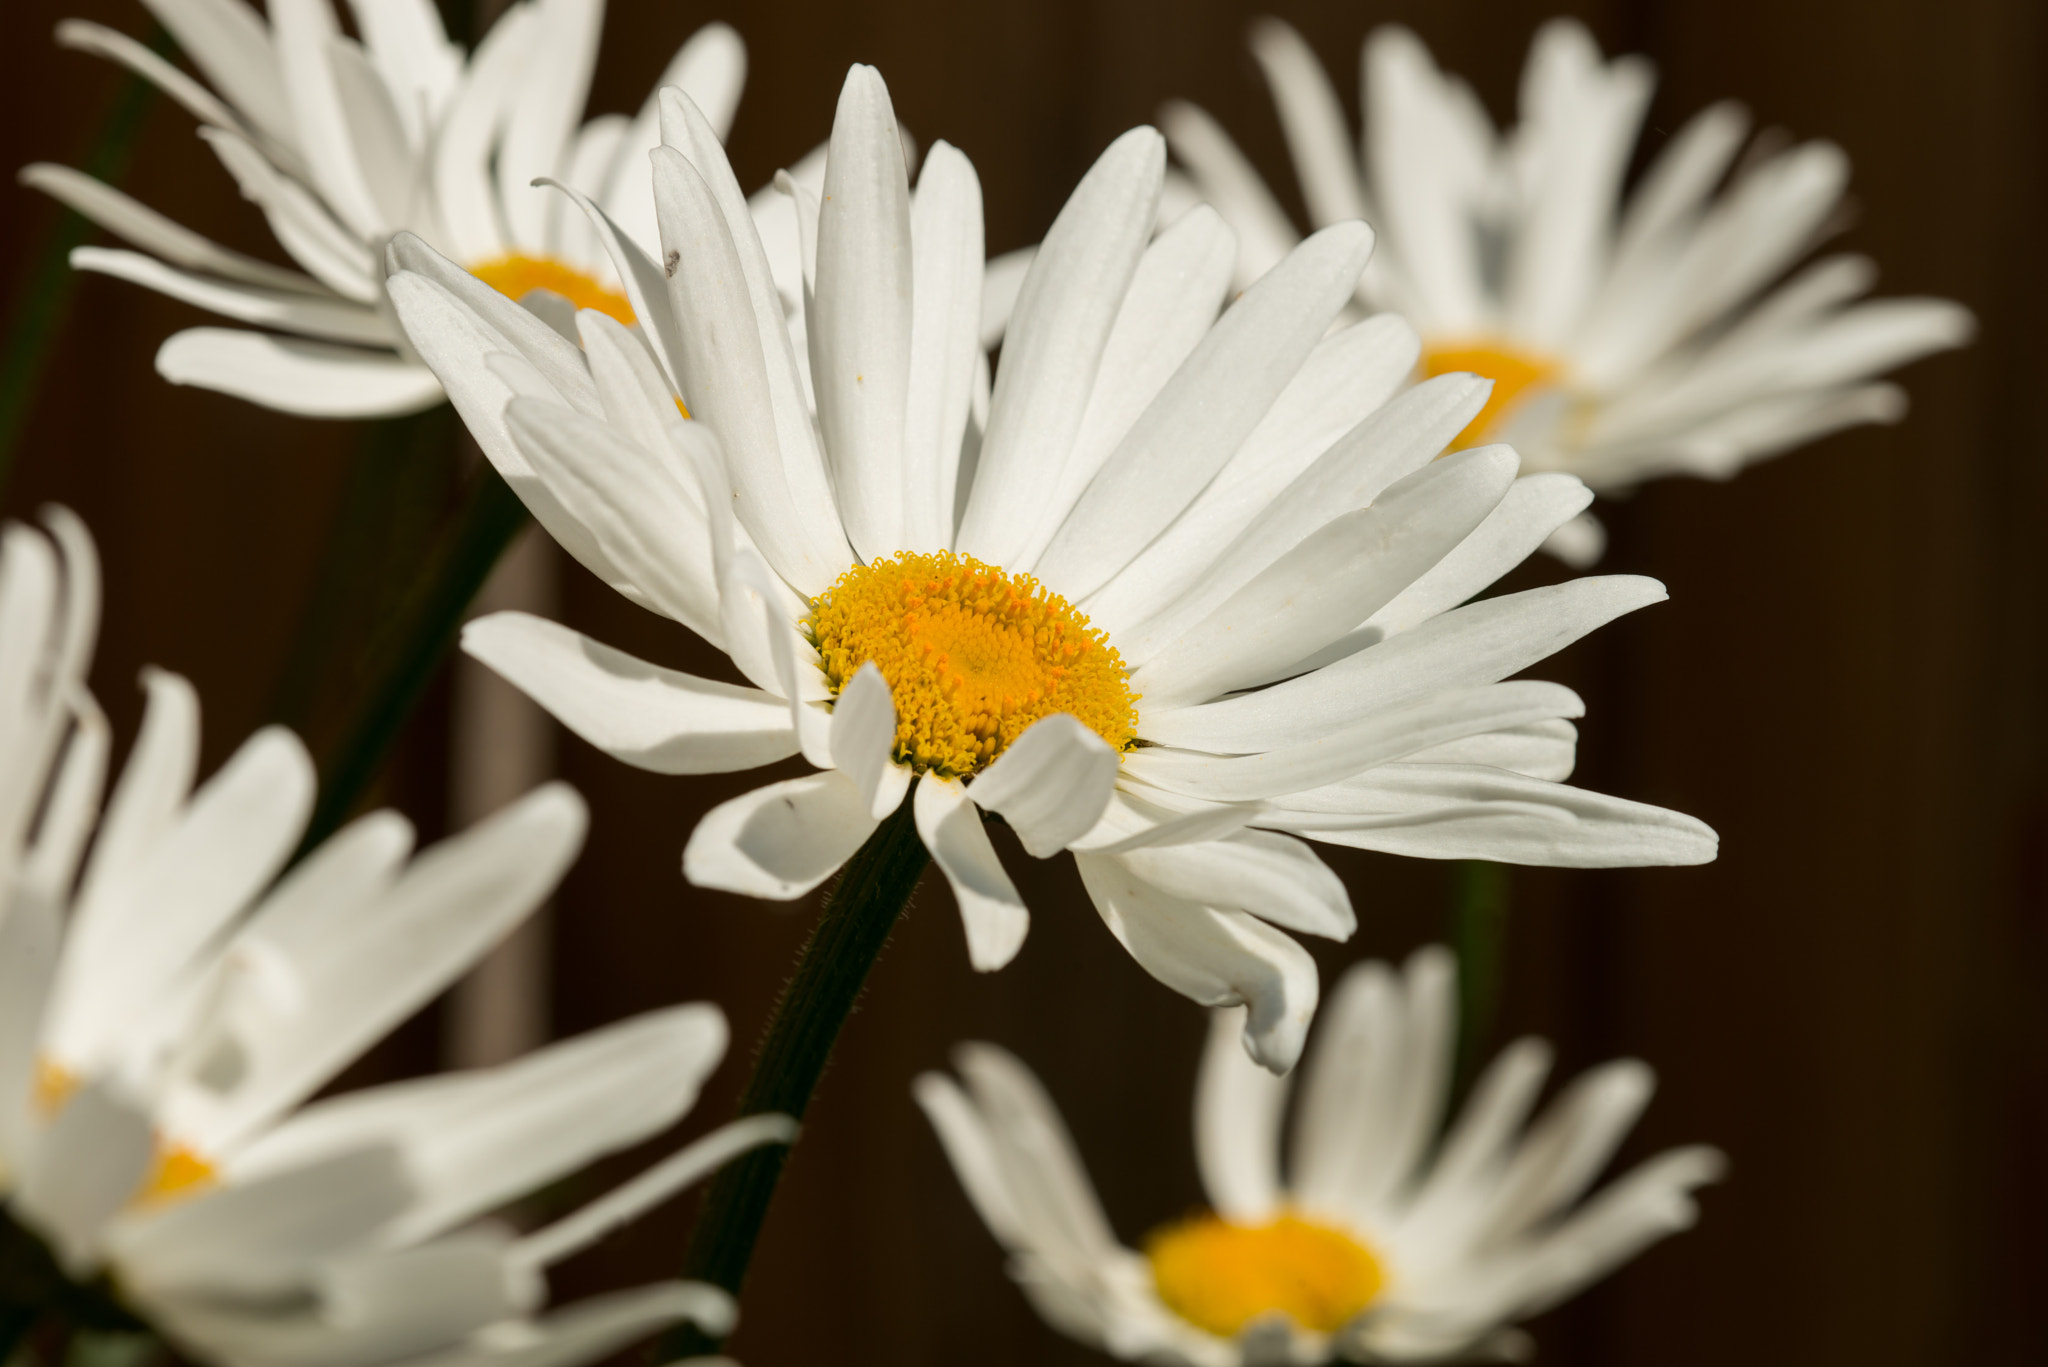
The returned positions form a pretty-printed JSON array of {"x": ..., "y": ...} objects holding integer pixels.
[
  {"x": 1513, "y": 373},
  {"x": 517, "y": 276},
  {"x": 972, "y": 655},
  {"x": 175, "y": 1169},
  {"x": 1220, "y": 1277}
]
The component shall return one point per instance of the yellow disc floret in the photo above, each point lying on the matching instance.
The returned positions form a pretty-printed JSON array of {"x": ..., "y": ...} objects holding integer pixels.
[
  {"x": 517, "y": 276},
  {"x": 972, "y": 655},
  {"x": 1220, "y": 1277},
  {"x": 1513, "y": 372}
]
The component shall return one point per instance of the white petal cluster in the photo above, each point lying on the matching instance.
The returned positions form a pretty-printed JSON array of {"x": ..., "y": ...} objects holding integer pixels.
[
  {"x": 1477, "y": 1232},
  {"x": 168, "y": 1014},
  {"x": 1249, "y": 504},
  {"x": 343, "y": 143},
  {"x": 1680, "y": 349}
]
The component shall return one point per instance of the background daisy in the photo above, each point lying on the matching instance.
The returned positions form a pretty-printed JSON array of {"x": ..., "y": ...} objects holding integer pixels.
[{"x": 1628, "y": 336}]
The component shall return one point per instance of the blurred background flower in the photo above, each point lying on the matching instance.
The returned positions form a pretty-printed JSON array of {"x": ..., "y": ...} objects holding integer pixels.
[{"x": 1846, "y": 684}]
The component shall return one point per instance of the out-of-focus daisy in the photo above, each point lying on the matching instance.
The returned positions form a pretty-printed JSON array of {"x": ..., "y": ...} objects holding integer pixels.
[
  {"x": 166, "y": 1017},
  {"x": 1189, "y": 577},
  {"x": 1627, "y": 336},
  {"x": 1380, "y": 1244},
  {"x": 343, "y": 143}
]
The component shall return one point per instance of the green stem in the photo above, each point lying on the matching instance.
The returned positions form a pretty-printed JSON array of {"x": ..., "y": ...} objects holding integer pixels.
[
  {"x": 1479, "y": 929},
  {"x": 404, "y": 659},
  {"x": 384, "y": 529},
  {"x": 859, "y": 912},
  {"x": 45, "y": 298}
]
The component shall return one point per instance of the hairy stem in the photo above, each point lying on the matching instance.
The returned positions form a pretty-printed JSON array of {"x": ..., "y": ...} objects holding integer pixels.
[{"x": 862, "y": 907}]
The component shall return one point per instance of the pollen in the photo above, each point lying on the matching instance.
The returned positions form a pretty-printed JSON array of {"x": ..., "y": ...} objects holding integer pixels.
[
  {"x": 1513, "y": 372},
  {"x": 972, "y": 655},
  {"x": 517, "y": 276},
  {"x": 1220, "y": 1276},
  {"x": 54, "y": 1086},
  {"x": 177, "y": 1172}
]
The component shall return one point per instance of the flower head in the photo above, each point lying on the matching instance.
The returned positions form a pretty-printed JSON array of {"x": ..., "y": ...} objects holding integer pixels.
[
  {"x": 1629, "y": 337},
  {"x": 168, "y": 1014},
  {"x": 343, "y": 143},
  {"x": 1177, "y": 590},
  {"x": 1380, "y": 1243}
]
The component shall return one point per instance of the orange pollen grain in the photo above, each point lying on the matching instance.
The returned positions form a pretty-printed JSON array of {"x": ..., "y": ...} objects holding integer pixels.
[
  {"x": 517, "y": 276},
  {"x": 1513, "y": 372},
  {"x": 1220, "y": 1276},
  {"x": 972, "y": 655}
]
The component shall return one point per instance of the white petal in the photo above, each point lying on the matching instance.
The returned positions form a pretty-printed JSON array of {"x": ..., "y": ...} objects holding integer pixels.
[
  {"x": 348, "y": 970},
  {"x": 290, "y": 310},
  {"x": 1433, "y": 811},
  {"x": 304, "y": 31},
  {"x": 291, "y": 375},
  {"x": 1274, "y": 877},
  {"x": 859, "y": 319},
  {"x": 1380, "y": 738},
  {"x": 82, "y": 35},
  {"x": 138, "y": 926},
  {"x": 1061, "y": 325},
  {"x": 542, "y": 121},
  {"x": 468, "y": 135},
  {"x": 477, "y": 1140},
  {"x": 1480, "y": 643},
  {"x": 946, "y": 240},
  {"x": 228, "y": 42},
  {"x": 1312, "y": 117},
  {"x": 1205, "y": 412},
  {"x": 657, "y": 719},
  {"x": 263, "y": 1236},
  {"x": 863, "y": 740},
  {"x": 1534, "y": 508},
  {"x": 1216, "y": 958},
  {"x": 781, "y": 841},
  {"x": 129, "y": 218},
  {"x": 1048, "y": 1182},
  {"x": 726, "y": 366},
  {"x": 1238, "y": 1106},
  {"x": 330, "y": 252},
  {"x": 1180, "y": 284},
  {"x": 991, "y": 909},
  {"x": 684, "y": 128},
  {"x": 628, "y": 1201},
  {"x": 646, "y": 519},
  {"x": 964, "y": 1135},
  {"x": 87, "y": 1163},
  {"x": 1051, "y": 784},
  {"x": 1333, "y": 580},
  {"x": 711, "y": 68},
  {"x": 1264, "y": 233}
]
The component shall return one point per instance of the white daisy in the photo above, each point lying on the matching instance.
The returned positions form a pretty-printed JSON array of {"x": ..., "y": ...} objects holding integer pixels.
[
  {"x": 1190, "y": 587},
  {"x": 1627, "y": 337},
  {"x": 343, "y": 143},
  {"x": 1382, "y": 1244},
  {"x": 163, "y": 1027}
]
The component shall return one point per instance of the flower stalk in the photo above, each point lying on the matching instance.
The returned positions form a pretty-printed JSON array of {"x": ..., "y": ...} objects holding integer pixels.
[
  {"x": 860, "y": 911},
  {"x": 403, "y": 660},
  {"x": 45, "y": 298},
  {"x": 1479, "y": 930}
]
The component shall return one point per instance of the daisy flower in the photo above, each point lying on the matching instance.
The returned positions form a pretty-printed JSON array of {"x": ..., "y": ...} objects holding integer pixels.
[
  {"x": 167, "y": 1015},
  {"x": 1628, "y": 336},
  {"x": 1188, "y": 591},
  {"x": 342, "y": 143},
  {"x": 1380, "y": 1244}
]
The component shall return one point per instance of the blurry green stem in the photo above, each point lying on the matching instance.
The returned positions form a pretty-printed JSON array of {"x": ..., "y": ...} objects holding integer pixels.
[
  {"x": 45, "y": 296},
  {"x": 862, "y": 907},
  {"x": 410, "y": 649},
  {"x": 1479, "y": 931}
]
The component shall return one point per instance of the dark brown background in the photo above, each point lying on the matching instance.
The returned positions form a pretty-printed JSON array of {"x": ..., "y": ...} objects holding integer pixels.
[{"x": 1847, "y": 683}]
